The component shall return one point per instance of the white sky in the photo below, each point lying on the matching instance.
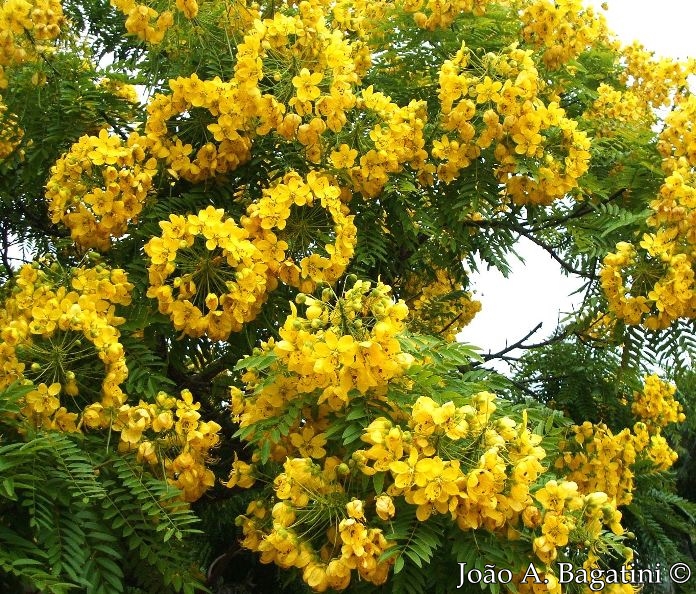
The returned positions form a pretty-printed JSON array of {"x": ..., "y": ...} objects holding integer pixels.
[{"x": 537, "y": 291}]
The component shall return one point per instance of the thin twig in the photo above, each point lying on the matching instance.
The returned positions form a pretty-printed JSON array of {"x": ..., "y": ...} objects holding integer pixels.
[
  {"x": 513, "y": 346},
  {"x": 5, "y": 254},
  {"x": 551, "y": 251},
  {"x": 585, "y": 209}
]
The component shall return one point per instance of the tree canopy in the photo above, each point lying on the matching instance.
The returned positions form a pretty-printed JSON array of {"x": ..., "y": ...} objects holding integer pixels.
[{"x": 235, "y": 247}]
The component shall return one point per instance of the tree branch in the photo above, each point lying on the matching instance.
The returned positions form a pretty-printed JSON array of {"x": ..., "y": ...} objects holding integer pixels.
[
  {"x": 515, "y": 345},
  {"x": 552, "y": 252},
  {"x": 585, "y": 209},
  {"x": 5, "y": 252}
]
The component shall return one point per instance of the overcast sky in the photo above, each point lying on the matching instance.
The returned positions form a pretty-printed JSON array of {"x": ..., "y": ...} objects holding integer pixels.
[{"x": 537, "y": 291}]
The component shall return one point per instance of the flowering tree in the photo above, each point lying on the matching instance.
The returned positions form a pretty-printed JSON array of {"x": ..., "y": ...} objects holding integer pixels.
[{"x": 234, "y": 245}]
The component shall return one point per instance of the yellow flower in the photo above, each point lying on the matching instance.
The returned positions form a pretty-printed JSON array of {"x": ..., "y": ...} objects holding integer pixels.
[
  {"x": 404, "y": 472},
  {"x": 481, "y": 485},
  {"x": 344, "y": 157},
  {"x": 354, "y": 535},
  {"x": 422, "y": 415},
  {"x": 163, "y": 421},
  {"x": 64, "y": 421},
  {"x": 385, "y": 507},
  {"x": 355, "y": 509},
  {"x": 306, "y": 85},
  {"x": 544, "y": 549},
  {"x": 487, "y": 90},
  {"x": 553, "y": 495},
  {"x": 332, "y": 352},
  {"x": 308, "y": 444},
  {"x": 338, "y": 574},
  {"x": 283, "y": 514},
  {"x": 44, "y": 399},
  {"x": 315, "y": 576},
  {"x": 556, "y": 529},
  {"x": 133, "y": 421}
]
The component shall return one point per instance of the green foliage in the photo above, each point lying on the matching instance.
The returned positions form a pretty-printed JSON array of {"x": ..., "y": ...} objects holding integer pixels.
[
  {"x": 416, "y": 541},
  {"x": 664, "y": 524},
  {"x": 78, "y": 517}
]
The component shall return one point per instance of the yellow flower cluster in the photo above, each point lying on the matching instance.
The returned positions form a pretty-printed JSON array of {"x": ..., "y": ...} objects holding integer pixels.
[
  {"x": 567, "y": 513},
  {"x": 659, "y": 453},
  {"x": 361, "y": 18},
  {"x": 622, "y": 302},
  {"x": 64, "y": 340},
  {"x": 99, "y": 186},
  {"x": 677, "y": 143},
  {"x": 295, "y": 77},
  {"x": 500, "y": 108},
  {"x": 443, "y": 459},
  {"x": 663, "y": 288},
  {"x": 313, "y": 70},
  {"x": 563, "y": 28},
  {"x": 225, "y": 270},
  {"x": 398, "y": 141},
  {"x": 424, "y": 462},
  {"x": 293, "y": 215},
  {"x": 43, "y": 406},
  {"x": 221, "y": 275},
  {"x": 22, "y": 20},
  {"x": 10, "y": 133},
  {"x": 168, "y": 434},
  {"x": 493, "y": 493},
  {"x": 188, "y": 7},
  {"x": 313, "y": 506},
  {"x": 240, "y": 16},
  {"x": 440, "y": 307},
  {"x": 433, "y": 14},
  {"x": 335, "y": 349},
  {"x": 653, "y": 80},
  {"x": 144, "y": 21},
  {"x": 272, "y": 47},
  {"x": 120, "y": 89},
  {"x": 614, "y": 106},
  {"x": 43, "y": 18},
  {"x": 599, "y": 460},
  {"x": 656, "y": 405},
  {"x": 191, "y": 96}
]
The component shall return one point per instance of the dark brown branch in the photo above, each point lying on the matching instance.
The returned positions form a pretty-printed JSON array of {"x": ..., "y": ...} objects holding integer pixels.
[
  {"x": 556, "y": 338},
  {"x": 529, "y": 234},
  {"x": 5, "y": 252},
  {"x": 449, "y": 325},
  {"x": 582, "y": 211},
  {"x": 503, "y": 353},
  {"x": 213, "y": 369},
  {"x": 522, "y": 388},
  {"x": 515, "y": 345},
  {"x": 552, "y": 252},
  {"x": 109, "y": 120},
  {"x": 585, "y": 209}
]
